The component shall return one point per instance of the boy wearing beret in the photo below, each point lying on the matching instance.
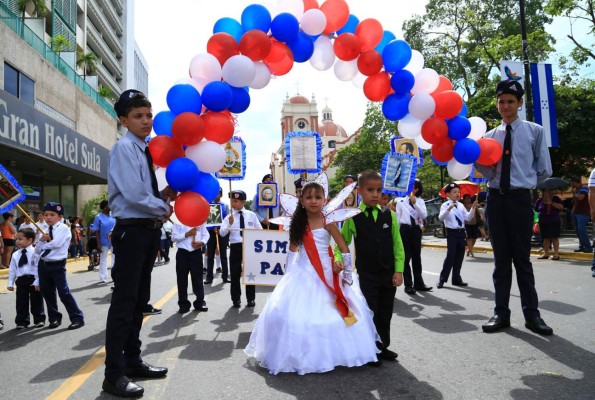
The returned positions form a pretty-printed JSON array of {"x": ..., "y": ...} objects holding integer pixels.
[{"x": 233, "y": 225}]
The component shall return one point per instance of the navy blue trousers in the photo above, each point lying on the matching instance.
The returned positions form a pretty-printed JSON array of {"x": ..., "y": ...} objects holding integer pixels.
[
  {"x": 52, "y": 279},
  {"x": 235, "y": 266},
  {"x": 189, "y": 262},
  {"x": 211, "y": 247},
  {"x": 455, "y": 253},
  {"x": 27, "y": 295}
]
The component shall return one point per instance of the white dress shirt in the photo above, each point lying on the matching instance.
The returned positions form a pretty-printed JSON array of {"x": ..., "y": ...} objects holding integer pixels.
[
  {"x": 250, "y": 222},
  {"x": 178, "y": 236},
  {"x": 43, "y": 225},
  {"x": 405, "y": 211},
  {"x": 29, "y": 225},
  {"x": 30, "y": 268},
  {"x": 58, "y": 246},
  {"x": 450, "y": 217}
]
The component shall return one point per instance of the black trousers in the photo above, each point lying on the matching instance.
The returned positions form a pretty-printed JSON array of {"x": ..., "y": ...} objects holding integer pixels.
[
  {"x": 211, "y": 249},
  {"x": 510, "y": 221},
  {"x": 27, "y": 295},
  {"x": 380, "y": 296},
  {"x": 135, "y": 248},
  {"x": 235, "y": 266},
  {"x": 189, "y": 262},
  {"x": 52, "y": 279},
  {"x": 455, "y": 253},
  {"x": 411, "y": 236}
]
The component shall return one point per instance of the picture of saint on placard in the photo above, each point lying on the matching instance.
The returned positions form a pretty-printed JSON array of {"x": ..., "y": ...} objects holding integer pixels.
[
  {"x": 215, "y": 215},
  {"x": 407, "y": 146},
  {"x": 351, "y": 200},
  {"x": 398, "y": 174},
  {"x": 267, "y": 194}
]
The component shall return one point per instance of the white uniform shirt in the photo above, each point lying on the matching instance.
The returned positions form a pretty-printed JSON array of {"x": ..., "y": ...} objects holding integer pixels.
[
  {"x": 250, "y": 222},
  {"x": 183, "y": 242},
  {"x": 28, "y": 225},
  {"x": 30, "y": 268},
  {"x": 404, "y": 211},
  {"x": 450, "y": 217},
  {"x": 58, "y": 246},
  {"x": 43, "y": 225}
]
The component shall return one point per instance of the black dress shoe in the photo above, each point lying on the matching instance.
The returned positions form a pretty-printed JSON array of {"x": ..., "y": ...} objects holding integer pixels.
[
  {"x": 537, "y": 325},
  {"x": 144, "y": 370},
  {"x": 423, "y": 288},
  {"x": 439, "y": 284},
  {"x": 226, "y": 280},
  {"x": 202, "y": 306},
  {"x": 208, "y": 282},
  {"x": 123, "y": 387},
  {"x": 76, "y": 325},
  {"x": 375, "y": 364},
  {"x": 387, "y": 354},
  {"x": 237, "y": 304},
  {"x": 251, "y": 303},
  {"x": 183, "y": 310},
  {"x": 495, "y": 324},
  {"x": 463, "y": 284},
  {"x": 410, "y": 290},
  {"x": 54, "y": 324}
]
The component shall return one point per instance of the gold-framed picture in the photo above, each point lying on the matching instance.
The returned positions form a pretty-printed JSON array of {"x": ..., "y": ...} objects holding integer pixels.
[
  {"x": 407, "y": 146},
  {"x": 351, "y": 200},
  {"x": 267, "y": 194}
]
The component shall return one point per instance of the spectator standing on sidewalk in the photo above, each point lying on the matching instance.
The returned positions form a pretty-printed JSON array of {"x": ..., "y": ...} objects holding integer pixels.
[
  {"x": 580, "y": 214},
  {"x": 592, "y": 205}
]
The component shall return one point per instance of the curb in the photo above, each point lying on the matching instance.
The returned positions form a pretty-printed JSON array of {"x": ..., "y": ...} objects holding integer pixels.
[
  {"x": 4, "y": 272},
  {"x": 563, "y": 254}
]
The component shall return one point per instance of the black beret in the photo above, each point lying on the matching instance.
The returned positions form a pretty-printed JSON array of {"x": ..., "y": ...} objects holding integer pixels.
[
  {"x": 298, "y": 183},
  {"x": 450, "y": 187},
  {"x": 238, "y": 194},
  {"x": 511, "y": 87},
  {"x": 267, "y": 176},
  {"x": 350, "y": 176},
  {"x": 125, "y": 97},
  {"x": 55, "y": 207}
]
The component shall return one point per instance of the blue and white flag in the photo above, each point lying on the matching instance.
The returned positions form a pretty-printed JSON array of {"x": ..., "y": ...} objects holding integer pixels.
[{"x": 544, "y": 103}]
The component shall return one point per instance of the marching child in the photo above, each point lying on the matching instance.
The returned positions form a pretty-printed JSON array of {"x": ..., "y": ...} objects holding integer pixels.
[
  {"x": 53, "y": 250},
  {"x": 454, "y": 215},
  {"x": 233, "y": 225},
  {"x": 23, "y": 274}
]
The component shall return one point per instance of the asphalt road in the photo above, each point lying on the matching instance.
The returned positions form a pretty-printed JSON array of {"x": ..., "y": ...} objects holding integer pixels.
[{"x": 443, "y": 353}]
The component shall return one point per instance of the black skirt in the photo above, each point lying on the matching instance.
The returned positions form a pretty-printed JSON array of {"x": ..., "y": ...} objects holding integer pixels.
[
  {"x": 472, "y": 231},
  {"x": 549, "y": 230}
]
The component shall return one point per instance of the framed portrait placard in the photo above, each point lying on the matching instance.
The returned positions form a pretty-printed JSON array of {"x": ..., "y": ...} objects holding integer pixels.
[
  {"x": 476, "y": 176},
  {"x": 351, "y": 200},
  {"x": 406, "y": 146},
  {"x": 11, "y": 192},
  {"x": 398, "y": 173},
  {"x": 303, "y": 152},
  {"x": 215, "y": 215},
  {"x": 235, "y": 160},
  {"x": 266, "y": 194}
]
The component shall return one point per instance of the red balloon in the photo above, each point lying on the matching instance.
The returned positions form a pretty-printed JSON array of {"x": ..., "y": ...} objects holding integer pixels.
[
  {"x": 370, "y": 32},
  {"x": 164, "y": 149},
  {"x": 434, "y": 130},
  {"x": 280, "y": 59},
  {"x": 310, "y": 4},
  {"x": 347, "y": 46},
  {"x": 188, "y": 129},
  {"x": 377, "y": 87},
  {"x": 443, "y": 85},
  {"x": 223, "y": 46},
  {"x": 369, "y": 62},
  {"x": 448, "y": 104},
  {"x": 336, "y": 13},
  {"x": 218, "y": 127},
  {"x": 490, "y": 151},
  {"x": 443, "y": 150},
  {"x": 191, "y": 209},
  {"x": 255, "y": 45}
]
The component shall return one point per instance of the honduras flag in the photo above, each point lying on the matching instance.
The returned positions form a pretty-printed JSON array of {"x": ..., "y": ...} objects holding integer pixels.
[{"x": 544, "y": 103}]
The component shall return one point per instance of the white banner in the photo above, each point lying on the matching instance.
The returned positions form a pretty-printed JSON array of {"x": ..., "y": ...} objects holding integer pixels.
[
  {"x": 515, "y": 70},
  {"x": 265, "y": 254}
]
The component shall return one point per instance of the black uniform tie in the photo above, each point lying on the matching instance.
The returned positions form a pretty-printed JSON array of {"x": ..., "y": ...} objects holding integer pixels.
[
  {"x": 413, "y": 223},
  {"x": 241, "y": 223},
  {"x": 457, "y": 218},
  {"x": 23, "y": 260},
  {"x": 506, "y": 158},
  {"x": 370, "y": 214},
  {"x": 152, "y": 173},
  {"x": 48, "y": 251}
]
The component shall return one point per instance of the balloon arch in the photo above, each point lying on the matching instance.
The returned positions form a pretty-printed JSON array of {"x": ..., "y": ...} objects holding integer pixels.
[{"x": 245, "y": 55}]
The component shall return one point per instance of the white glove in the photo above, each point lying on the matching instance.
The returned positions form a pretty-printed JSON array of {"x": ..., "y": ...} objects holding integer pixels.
[
  {"x": 291, "y": 259},
  {"x": 347, "y": 268}
]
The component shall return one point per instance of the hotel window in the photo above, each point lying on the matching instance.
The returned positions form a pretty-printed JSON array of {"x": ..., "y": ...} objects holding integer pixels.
[{"x": 18, "y": 84}]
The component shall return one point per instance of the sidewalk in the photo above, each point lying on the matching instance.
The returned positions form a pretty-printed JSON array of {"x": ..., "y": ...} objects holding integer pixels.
[{"x": 72, "y": 265}]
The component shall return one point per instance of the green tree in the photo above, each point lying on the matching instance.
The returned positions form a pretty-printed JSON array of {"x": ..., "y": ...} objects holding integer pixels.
[
  {"x": 91, "y": 208},
  {"x": 86, "y": 61},
  {"x": 60, "y": 43},
  {"x": 105, "y": 92},
  {"x": 39, "y": 9}
]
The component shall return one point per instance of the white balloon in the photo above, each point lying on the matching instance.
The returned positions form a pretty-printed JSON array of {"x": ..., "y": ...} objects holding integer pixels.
[
  {"x": 161, "y": 181},
  {"x": 295, "y": 7},
  {"x": 262, "y": 76},
  {"x": 422, "y": 106},
  {"x": 421, "y": 142},
  {"x": 426, "y": 81},
  {"x": 457, "y": 170},
  {"x": 359, "y": 80},
  {"x": 190, "y": 81},
  {"x": 313, "y": 22},
  {"x": 410, "y": 127},
  {"x": 478, "y": 128},
  {"x": 324, "y": 56},
  {"x": 416, "y": 63},
  {"x": 208, "y": 156},
  {"x": 346, "y": 70},
  {"x": 238, "y": 71},
  {"x": 205, "y": 68}
]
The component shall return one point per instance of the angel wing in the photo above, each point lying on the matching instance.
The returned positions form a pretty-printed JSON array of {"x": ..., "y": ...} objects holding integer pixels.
[
  {"x": 285, "y": 221},
  {"x": 341, "y": 215},
  {"x": 288, "y": 202},
  {"x": 338, "y": 199},
  {"x": 322, "y": 179}
]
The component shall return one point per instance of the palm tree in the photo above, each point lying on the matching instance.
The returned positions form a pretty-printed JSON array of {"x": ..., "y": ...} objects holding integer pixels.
[
  {"x": 87, "y": 61},
  {"x": 105, "y": 92},
  {"x": 59, "y": 43},
  {"x": 39, "y": 8}
]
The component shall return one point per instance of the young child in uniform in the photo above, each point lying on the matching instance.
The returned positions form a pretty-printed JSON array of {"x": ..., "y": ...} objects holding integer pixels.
[
  {"x": 233, "y": 225},
  {"x": 454, "y": 215},
  {"x": 23, "y": 274},
  {"x": 52, "y": 250}
]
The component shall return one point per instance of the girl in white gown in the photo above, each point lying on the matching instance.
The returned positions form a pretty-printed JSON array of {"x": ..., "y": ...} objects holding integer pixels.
[{"x": 306, "y": 326}]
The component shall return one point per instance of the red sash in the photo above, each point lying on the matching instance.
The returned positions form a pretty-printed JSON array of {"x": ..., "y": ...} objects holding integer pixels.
[{"x": 314, "y": 257}]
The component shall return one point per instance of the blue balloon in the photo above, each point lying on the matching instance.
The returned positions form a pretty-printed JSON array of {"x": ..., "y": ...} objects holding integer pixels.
[
  {"x": 206, "y": 185},
  {"x": 466, "y": 151},
  {"x": 217, "y": 96},
  {"x": 162, "y": 122},
  {"x": 402, "y": 81},
  {"x": 256, "y": 16},
  {"x": 231, "y": 26},
  {"x": 182, "y": 174},
  {"x": 387, "y": 37},
  {"x": 396, "y": 55},
  {"x": 183, "y": 98},
  {"x": 350, "y": 26},
  {"x": 285, "y": 27},
  {"x": 458, "y": 128},
  {"x": 396, "y": 106},
  {"x": 302, "y": 47},
  {"x": 240, "y": 101},
  {"x": 438, "y": 162},
  {"x": 464, "y": 110}
]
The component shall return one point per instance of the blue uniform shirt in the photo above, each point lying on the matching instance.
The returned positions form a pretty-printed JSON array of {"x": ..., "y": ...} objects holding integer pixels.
[{"x": 104, "y": 224}]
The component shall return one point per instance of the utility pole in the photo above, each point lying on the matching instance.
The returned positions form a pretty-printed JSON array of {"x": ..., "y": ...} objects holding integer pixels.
[{"x": 528, "y": 94}]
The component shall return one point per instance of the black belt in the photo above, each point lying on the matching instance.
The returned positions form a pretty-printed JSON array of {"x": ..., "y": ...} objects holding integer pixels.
[
  {"x": 455, "y": 230},
  {"x": 26, "y": 276},
  {"x": 147, "y": 222},
  {"x": 54, "y": 263},
  {"x": 509, "y": 191},
  {"x": 234, "y": 244}
]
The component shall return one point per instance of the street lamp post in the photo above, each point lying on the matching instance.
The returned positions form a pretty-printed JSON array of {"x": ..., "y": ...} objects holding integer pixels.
[{"x": 528, "y": 94}]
